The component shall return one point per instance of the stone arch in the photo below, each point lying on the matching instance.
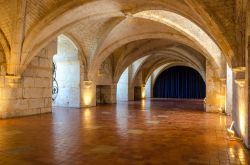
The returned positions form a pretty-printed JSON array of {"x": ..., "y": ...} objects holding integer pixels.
[
  {"x": 185, "y": 26},
  {"x": 173, "y": 63},
  {"x": 81, "y": 53},
  {"x": 155, "y": 72},
  {"x": 2, "y": 61},
  {"x": 58, "y": 21},
  {"x": 5, "y": 45},
  {"x": 169, "y": 65},
  {"x": 166, "y": 54},
  {"x": 176, "y": 38},
  {"x": 68, "y": 73},
  {"x": 170, "y": 49},
  {"x": 61, "y": 15}
]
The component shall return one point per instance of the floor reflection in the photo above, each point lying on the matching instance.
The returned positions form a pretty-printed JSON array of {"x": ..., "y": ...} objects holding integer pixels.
[{"x": 147, "y": 132}]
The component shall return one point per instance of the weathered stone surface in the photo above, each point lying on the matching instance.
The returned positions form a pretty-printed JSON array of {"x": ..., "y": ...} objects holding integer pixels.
[
  {"x": 33, "y": 92},
  {"x": 36, "y": 103},
  {"x": 48, "y": 102},
  {"x": 30, "y": 94},
  {"x": 215, "y": 91},
  {"x": 28, "y": 82},
  {"x": 42, "y": 82},
  {"x": 11, "y": 93}
]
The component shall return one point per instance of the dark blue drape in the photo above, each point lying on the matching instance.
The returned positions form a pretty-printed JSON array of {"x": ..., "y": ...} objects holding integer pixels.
[{"x": 180, "y": 82}]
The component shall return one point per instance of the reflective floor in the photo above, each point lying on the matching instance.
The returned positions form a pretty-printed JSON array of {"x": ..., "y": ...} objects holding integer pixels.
[{"x": 137, "y": 133}]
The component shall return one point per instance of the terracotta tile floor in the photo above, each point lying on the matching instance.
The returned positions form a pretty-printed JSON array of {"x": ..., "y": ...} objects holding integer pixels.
[{"x": 138, "y": 133}]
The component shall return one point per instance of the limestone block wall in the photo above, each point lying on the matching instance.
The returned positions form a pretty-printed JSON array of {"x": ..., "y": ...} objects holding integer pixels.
[
  {"x": 138, "y": 79},
  {"x": 215, "y": 91},
  {"x": 106, "y": 94},
  {"x": 31, "y": 93},
  {"x": 104, "y": 76}
]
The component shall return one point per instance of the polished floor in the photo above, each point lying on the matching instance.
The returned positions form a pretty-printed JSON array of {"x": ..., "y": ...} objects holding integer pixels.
[{"x": 134, "y": 133}]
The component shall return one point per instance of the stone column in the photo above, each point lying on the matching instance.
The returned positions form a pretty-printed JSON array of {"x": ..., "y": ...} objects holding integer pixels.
[
  {"x": 240, "y": 111},
  {"x": 215, "y": 91},
  {"x": 248, "y": 92},
  {"x": 88, "y": 94},
  {"x": 113, "y": 89},
  {"x": 229, "y": 91},
  {"x": 131, "y": 93},
  {"x": 139, "y": 92}
]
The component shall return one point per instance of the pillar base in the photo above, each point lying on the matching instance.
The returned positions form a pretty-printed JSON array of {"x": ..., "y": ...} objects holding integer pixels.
[{"x": 88, "y": 94}]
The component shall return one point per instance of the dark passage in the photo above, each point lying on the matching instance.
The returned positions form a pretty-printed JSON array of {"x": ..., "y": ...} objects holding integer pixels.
[{"x": 180, "y": 82}]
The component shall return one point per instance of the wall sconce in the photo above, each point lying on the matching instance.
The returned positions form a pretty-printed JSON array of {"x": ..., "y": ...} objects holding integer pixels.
[{"x": 87, "y": 84}]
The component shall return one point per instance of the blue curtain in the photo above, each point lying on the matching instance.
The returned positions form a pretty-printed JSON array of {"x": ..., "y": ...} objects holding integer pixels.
[{"x": 180, "y": 82}]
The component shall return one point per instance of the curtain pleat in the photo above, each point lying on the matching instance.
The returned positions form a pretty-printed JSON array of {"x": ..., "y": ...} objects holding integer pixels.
[{"x": 180, "y": 82}]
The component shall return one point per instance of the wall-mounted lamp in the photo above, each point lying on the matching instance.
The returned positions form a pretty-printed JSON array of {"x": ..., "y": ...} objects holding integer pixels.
[{"x": 87, "y": 84}]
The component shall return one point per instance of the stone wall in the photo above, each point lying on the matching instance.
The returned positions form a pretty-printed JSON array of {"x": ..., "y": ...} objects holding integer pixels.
[
  {"x": 215, "y": 91},
  {"x": 67, "y": 74},
  {"x": 31, "y": 93},
  {"x": 105, "y": 94},
  {"x": 104, "y": 76},
  {"x": 137, "y": 93}
]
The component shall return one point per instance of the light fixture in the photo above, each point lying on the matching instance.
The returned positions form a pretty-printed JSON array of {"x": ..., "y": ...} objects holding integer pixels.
[
  {"x": 230, "y": 130},
  {"x": 232, "y": 133}
]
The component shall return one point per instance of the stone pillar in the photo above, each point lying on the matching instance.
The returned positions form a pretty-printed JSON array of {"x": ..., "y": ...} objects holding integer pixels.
[
  {"x": 139, "y": 92},
  {"x": 223, "y": 87},
  {"x": 215, "y": 91},
  {"x": 130, "y": 85},
  {"x": 88, "y": 94},
  {"x": 113, "y": 89},
  {"x": 148, "y": 88},
  {"x": 248, "y": 92},
  {"x": 131, "y": 93},
  {"x": 240, "y": 111},
  {"x": 229, "y": 91}
]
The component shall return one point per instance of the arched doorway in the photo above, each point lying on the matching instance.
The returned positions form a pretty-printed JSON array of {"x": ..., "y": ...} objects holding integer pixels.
[
  {"x": 180, "y": 82},
  {"x": 66, "y": 74}
]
